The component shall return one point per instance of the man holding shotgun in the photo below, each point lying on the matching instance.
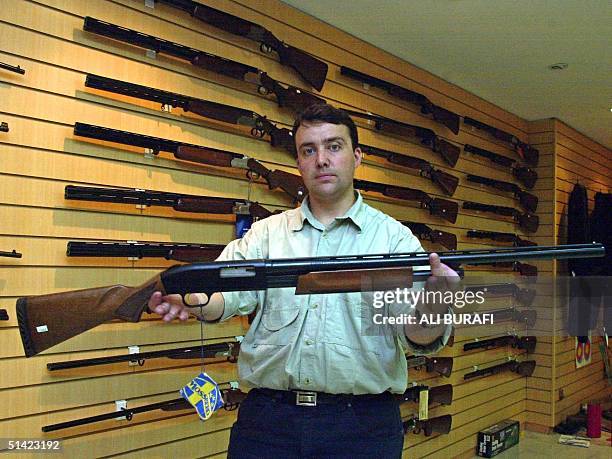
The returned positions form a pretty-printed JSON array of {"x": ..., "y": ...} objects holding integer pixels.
[{"x": 322, "y": 388}]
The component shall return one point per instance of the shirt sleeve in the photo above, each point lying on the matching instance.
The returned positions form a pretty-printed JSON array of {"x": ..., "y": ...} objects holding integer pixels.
[{"x": 408, "y": 242}]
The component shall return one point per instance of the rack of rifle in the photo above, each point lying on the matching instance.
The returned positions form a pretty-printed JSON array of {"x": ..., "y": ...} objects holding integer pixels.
[{"x": 232, "y": 397}]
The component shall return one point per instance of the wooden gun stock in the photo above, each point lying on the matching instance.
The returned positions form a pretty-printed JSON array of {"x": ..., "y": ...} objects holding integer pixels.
[
  {"x": 47, "y": 320},
  {"x": 440, "y": 424}
]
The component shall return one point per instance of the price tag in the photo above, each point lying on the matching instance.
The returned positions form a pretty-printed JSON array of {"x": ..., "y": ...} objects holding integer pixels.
[{"x": 423, "y": 404}]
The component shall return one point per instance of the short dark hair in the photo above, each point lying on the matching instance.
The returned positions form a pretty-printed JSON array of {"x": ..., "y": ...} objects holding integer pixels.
[{"x": 325, "y": 113}]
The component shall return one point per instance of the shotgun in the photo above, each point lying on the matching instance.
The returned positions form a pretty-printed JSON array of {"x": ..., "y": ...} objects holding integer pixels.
[
  {"x": 441, "y": 115},
  {"x": 525, "y": 151},
  {"x": 523, "y": 174},
  {"x": 439, "y": 394},
  {"x": 528, "y": 201},
  {"x": 440, "y": 424},
  {"x": 12, "y": 254},
  {"x": 442, "y": 208},
  {"x": 231, "y": 397},
  {"x": 133, "y": 249},
  {"x": 259, "y": 124},
  {"x": 289, "y": 183},
  {"x": 528, "y": 222},
  {"x": 527, "y": 343},
  {"x": 448, "y": 151},
  {"x": 524, "y": 296},
  {"x": 522, "y": 368},
  {"x": 291, "y": 97},
  {"x": 179, "y": 202},
  {"x": 441, "y": 365},
  {"x": 424, "y": 232},
  {"x": 312, "y": 70},
  {"x": 446, "y": 182},
  {"x": 516, "y": 240},
  {"x": 47, "y": 320},
  {"x": 524, "y": 269},
  {"x": 523, "y": 316},
  {"x": 229, "y": 350},
  {"x": 12, "y": 68}
]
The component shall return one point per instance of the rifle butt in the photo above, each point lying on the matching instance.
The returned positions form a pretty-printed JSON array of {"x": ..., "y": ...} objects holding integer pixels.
[
  {"x": 47, "y": 320},
  {"x": 311, "y": 69},
  {"x": 441, "y": 394}
]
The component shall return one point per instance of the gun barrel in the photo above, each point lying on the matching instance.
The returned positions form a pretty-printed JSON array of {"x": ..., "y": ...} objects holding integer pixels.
[{"x": 12, "y": 68}]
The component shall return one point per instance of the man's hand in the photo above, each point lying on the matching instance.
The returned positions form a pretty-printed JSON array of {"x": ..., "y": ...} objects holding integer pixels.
[
  {"x": 442, "y": 278},
  {"x": 169, "y": 307}
]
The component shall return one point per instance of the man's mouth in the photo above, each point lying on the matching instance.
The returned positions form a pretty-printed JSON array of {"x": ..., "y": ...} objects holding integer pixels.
[{"x": 324, "y": 176}]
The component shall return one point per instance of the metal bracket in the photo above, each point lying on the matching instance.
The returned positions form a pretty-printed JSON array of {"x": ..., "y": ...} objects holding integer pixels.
[
  {"x": 133, "y": 350},
  {"x": 120, "y": 405}
]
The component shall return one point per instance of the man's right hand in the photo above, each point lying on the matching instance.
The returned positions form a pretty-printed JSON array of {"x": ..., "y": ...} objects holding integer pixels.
[{"x": 169, "y": 307}]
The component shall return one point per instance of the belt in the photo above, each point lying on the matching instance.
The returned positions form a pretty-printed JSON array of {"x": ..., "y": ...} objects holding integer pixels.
[{"x": 311, "y": 398}]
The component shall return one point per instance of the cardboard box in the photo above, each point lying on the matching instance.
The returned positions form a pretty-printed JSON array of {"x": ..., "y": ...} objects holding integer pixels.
[{"x": 498, "y": 438}]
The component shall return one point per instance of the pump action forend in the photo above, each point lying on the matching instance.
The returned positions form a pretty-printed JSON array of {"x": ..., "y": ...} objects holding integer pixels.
[
  {"x": 312, "y": 70},
  {"x": 47, "y": 320},
  {"x": 291, "y": 97}
]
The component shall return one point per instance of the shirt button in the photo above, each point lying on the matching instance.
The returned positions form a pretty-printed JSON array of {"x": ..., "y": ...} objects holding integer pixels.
[
  {"x": 324, "y": 235},
  {"x": 307, "y": 381},
  {"x": 308, "y": 342},
  {"x": 315, "y": 306}
]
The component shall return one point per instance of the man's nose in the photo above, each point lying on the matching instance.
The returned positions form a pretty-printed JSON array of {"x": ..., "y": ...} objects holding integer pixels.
[{"x": 322, "y": 157}]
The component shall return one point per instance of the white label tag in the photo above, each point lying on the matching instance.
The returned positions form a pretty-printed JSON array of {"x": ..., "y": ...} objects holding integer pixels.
[
  {"x": 423, "y": 404},
  {"x": 42, "y": 329}
]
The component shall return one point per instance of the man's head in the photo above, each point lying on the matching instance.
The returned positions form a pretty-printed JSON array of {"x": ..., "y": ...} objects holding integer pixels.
[{"x": 327, "y": 152}]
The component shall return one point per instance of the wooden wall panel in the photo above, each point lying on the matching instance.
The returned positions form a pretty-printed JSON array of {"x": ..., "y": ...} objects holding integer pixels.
[{"x": 41, "y": 155}]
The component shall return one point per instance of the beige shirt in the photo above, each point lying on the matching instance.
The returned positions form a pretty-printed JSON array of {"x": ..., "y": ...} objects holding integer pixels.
[{"x": 321, "y": 342}]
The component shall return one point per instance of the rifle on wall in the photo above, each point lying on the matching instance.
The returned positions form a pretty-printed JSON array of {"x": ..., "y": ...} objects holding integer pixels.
[
  {"x": 522, "y": 316},
  {"x": 441, "y": 365},
  {"x": 179, "y": 202},
  {"x": 133, "y": 249},
  {"x": 524, "y": 269},
  {"x": 312, "y": 70},
  {"x": 439, "y": 394},
  {"x": 47, "y": 320},
  {"x": 438, "y": 207},
  {"x": 525, "y": 151},
  {"x": 424, "y": 232},
  {"x": 528, "y": 222},
  {"x": 526, "y": 343},
  {"x": 290, "y": 97},
  {"x": 528, "y": 201},
  {"x": 232, "y": 398},
  {"x": 259, "y": 124},
  {"x": 522, "y": 368},
  {"x": 440, "y": 424},
  {"x": 439, "y": 114},
  {"x": 4, "y": 314},
  {"x": 12, "y": 68},
  {"x": 4, "y": 126},
  {"x": 228, "y": 350},
  {"x": 12, "y": 254},
  {"x": 446, "y": 182},
  {"x": 448, "y": 151},
  {"x": 516, "y": 240},
  {"x": 289, "y": 183},
  {"x": 523, "y": 174},
  {"x": 524, "y": 296}
]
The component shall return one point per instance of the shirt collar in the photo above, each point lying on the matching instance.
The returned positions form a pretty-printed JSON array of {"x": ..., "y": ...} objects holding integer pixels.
[{"x": 355, "y": 214}]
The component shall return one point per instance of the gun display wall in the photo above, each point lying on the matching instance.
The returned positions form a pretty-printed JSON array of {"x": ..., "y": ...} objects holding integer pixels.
[{"x": 191, "y": 110}]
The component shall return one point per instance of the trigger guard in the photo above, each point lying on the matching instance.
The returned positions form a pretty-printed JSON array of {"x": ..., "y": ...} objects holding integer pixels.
[{"x": 184, "y": 298}]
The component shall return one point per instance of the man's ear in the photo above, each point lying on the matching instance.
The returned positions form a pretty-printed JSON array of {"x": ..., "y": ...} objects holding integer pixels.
[{"x": 358, "y": 156}]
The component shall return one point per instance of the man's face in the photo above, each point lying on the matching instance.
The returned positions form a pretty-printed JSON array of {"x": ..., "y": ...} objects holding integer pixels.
[{"x": 326, "y": 159}]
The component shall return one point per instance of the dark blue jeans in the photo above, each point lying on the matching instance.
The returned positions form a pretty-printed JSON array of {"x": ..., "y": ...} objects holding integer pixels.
[{"x": 270, "y": 426}]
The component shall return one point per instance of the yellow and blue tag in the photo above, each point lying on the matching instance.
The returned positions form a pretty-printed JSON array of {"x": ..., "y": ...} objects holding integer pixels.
[{"x": 203, "y": 394}]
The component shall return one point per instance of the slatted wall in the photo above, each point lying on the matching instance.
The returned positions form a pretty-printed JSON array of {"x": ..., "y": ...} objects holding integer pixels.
[
  {"x": 578, "y": 160},
  {"x": 41, "y": 155}
]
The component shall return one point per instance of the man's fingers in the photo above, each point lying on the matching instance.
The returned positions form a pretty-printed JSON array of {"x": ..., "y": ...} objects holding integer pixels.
[{"x": 435, "y": 265}]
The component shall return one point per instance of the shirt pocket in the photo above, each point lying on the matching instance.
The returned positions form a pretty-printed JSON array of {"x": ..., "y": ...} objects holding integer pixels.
[
  {"x": 276, "y": 318},
  {"x": 278, "y": 326}
]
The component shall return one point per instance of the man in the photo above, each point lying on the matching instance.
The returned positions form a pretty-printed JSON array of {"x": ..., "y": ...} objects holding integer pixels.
[{"x": 323, "y": 387}]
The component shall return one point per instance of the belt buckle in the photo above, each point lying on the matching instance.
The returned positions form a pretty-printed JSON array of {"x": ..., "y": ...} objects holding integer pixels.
[{"x": 304, "y": 398}]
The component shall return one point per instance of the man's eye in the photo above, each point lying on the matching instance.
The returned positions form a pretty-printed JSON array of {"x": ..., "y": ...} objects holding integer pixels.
[
  {"x": 335, "y": 147},
  {"x": 308, "y": 151}
]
